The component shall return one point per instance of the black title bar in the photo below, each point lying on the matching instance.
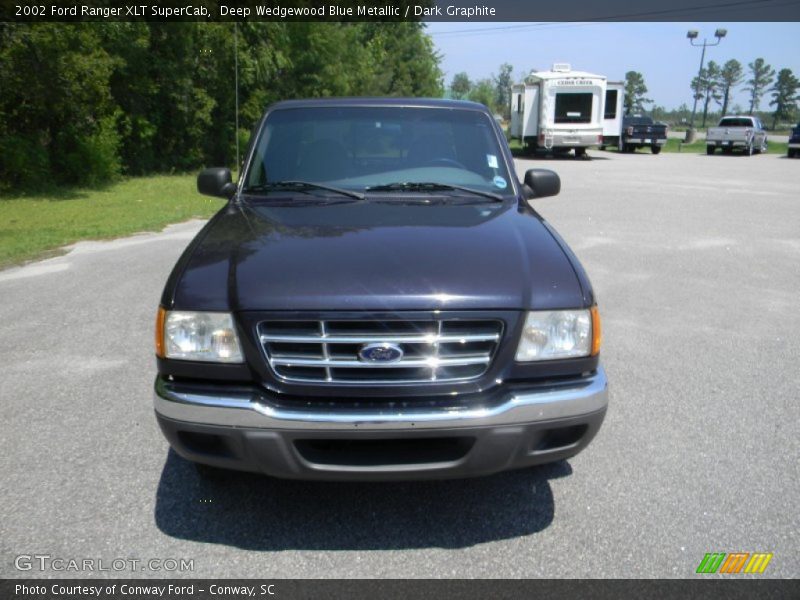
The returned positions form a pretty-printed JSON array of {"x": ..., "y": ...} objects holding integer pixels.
[{"x": 400, "y": 10}]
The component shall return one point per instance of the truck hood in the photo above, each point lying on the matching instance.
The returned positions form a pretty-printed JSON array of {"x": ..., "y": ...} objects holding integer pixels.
[{"x": 375, "y": 255}]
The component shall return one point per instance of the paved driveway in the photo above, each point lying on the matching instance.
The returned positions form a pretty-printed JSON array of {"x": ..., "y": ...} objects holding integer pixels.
[{"x": 695, "y": 263}]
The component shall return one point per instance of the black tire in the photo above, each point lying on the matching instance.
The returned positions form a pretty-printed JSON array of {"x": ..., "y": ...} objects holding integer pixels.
[
  {"x": 791, "y": 153},
  {"x": 748, "y": 150},
  {"x": 710, "y": 150},
  {"x": 580, "y": 152},
  {"x": 655, "y": 149},
  {"x": 621, "y": 147}
]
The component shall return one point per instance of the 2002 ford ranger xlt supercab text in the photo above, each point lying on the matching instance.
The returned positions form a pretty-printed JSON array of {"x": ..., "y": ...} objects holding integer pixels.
[{"x": 377, "y": 300}]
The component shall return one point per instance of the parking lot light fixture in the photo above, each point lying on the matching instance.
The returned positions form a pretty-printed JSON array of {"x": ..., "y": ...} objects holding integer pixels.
[{"x": 692, "y": 35}]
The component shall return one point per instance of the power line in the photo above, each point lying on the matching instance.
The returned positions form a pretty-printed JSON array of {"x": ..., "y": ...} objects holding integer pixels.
[{"x": 618, "y": 17}]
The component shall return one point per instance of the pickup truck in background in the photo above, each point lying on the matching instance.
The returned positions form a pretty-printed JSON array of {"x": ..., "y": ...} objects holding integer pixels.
[
  {"x": 745, "y": 133},
  {"x": 794, "y": 143},
  {"x": 640, "y": 132}
]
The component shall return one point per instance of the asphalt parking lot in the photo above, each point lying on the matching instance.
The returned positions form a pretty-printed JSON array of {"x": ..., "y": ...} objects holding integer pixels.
[{"x": 694, "y": 260}]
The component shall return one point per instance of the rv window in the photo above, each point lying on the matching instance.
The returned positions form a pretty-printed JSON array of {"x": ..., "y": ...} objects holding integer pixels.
[
  {"x": 574, "y": 108},
  {"x": 611, "y": 104}
]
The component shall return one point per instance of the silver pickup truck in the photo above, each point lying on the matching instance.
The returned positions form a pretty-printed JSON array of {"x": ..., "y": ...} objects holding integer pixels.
[{"x": 743, "y": 133}]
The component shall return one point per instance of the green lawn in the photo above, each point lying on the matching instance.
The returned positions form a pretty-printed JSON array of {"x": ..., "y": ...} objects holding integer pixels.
[{"x": 37, "y": 225}]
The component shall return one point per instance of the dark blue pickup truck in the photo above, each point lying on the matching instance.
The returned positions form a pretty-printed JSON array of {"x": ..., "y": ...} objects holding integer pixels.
[
  {"x": 794, "y": 142},
  {"x": 378, "y": 300},
  {"x": 642, "y": 132}
]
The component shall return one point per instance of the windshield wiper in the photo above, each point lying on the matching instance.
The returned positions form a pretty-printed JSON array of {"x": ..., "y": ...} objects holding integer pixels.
[
  {"x": 422, "y": 186},
  {"x": 301, "y": 186}
]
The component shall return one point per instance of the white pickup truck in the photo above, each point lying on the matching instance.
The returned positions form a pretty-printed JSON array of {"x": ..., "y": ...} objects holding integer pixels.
[{"x": 744, "y": 133}]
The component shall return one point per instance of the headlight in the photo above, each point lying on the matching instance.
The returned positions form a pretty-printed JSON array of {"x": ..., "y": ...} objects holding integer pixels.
[
  {"x": 205, "y": 336},
  {"x": 553, "y": 334}
]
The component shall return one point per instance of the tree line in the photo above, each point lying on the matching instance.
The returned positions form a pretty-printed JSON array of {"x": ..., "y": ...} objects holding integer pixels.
[
  {"x": 716, "y": 83},
  {"x": 84, "y": 103}
]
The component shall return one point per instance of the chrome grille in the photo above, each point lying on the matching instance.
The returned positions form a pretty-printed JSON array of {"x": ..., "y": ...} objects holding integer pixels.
[{"x": 328, "y": 351}]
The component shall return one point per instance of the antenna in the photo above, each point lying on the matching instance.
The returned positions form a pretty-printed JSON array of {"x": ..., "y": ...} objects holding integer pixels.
[{"x": 236, "y": 78}]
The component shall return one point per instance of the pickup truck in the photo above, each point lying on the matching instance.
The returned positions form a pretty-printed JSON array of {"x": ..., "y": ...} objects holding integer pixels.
[
  {"x": 641, "y": 132},
  {"x": 745, "y": 133},
  {"x": 377, "y": 299},
  {"x": 794, "y": 143}
]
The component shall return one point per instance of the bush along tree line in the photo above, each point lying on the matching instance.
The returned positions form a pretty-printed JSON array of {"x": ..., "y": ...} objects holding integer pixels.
[{"x": 85, "y": 103}]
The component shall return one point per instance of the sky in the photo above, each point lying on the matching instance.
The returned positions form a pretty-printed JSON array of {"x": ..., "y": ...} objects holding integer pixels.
[{"x": 660, "y": 51}]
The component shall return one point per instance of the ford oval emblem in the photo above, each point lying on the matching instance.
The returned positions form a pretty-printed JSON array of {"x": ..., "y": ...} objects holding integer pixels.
[{"x": 380, "y": 353}]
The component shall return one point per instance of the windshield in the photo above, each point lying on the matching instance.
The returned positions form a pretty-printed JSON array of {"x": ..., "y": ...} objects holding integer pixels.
[
  {"x": 734, "y": 122},
  {"x": 356, "y": 148}
]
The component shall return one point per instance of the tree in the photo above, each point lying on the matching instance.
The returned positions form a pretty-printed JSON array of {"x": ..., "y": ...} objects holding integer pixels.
[
  {"x": 460, "y": 86},
  {"x": 483, "y": 91},
  {"x": 635, "y": 89},
  {"x": 784, "y": 96},
  {"x": 730, "y": 76},
  {"x": 83, "y": 102},
  {"x": 762, "y": 75},
  {"x": 502, "y": 97},
  {"x": 706, "y": 87}
]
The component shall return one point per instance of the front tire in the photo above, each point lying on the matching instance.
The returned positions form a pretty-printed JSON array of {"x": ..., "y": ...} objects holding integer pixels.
[
  {"x": 748, "y": 150},
  {"x": 655, "y": 149}
]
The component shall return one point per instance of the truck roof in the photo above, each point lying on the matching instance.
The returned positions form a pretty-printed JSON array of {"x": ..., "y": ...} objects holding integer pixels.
[{"x": 369, "y": 101}]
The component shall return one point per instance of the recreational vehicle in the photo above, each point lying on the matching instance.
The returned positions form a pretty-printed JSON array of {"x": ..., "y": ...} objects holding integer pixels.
[{"x": 559, "y": 110}]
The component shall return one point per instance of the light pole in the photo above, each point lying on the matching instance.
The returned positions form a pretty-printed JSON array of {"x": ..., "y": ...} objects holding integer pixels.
[{"x": 692, "y": 35}]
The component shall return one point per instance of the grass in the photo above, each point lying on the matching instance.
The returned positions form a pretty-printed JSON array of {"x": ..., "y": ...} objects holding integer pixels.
[{"x": 39, "y": 225}]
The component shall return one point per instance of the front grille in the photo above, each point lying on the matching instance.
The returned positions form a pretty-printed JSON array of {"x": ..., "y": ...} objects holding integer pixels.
[{"x": 328, "y": 351}]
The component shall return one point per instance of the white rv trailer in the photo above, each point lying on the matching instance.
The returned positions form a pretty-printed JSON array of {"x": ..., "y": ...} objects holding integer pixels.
[
  {"x": 612, "y": 113},
  {"x": 559, "y": 110}
]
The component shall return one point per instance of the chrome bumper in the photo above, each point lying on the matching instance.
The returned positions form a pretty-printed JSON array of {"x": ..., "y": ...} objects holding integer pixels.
[{"x": 252, "y": 409}]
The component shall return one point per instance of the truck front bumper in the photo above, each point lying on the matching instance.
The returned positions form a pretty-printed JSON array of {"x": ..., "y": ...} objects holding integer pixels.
[{"x": 241, "y": 428}]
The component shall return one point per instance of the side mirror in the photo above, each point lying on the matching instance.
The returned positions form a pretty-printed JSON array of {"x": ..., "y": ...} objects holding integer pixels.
[
  {"x": 216, "y": 182},
  {"x": 540, "y": 183}
]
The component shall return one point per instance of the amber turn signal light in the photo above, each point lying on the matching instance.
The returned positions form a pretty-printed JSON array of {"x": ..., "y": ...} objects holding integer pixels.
[
  {"x": 161, "y": 316},
  {"x": 597, "y": 331}
]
